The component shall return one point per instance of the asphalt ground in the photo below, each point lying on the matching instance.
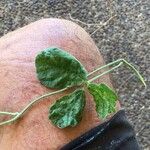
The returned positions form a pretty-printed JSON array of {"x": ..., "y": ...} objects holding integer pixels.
[{"x": 120, "y": 28}]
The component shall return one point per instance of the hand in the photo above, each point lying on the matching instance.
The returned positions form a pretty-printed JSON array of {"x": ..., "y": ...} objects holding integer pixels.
[{"x": 19, "y": 85}]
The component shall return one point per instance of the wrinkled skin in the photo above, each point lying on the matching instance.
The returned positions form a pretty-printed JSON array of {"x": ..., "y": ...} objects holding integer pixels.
[{"x": 19, "y": 85}]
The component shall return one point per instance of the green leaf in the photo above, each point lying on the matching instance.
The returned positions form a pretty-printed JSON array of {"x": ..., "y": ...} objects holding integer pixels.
[
  {"x": 58, "y": 69},
  {"x": 105, "y": 99},
  {"x": 68, "y": 110}
]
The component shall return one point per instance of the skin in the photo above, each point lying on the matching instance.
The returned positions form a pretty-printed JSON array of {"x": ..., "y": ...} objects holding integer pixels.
[{"x": 19, "y": 85}]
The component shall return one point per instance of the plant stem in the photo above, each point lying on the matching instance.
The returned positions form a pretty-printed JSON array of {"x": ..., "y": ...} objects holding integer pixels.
[
  {"x": 116, "y": 62},
  {"x": 106, "y": 72},
  {"x": 10, "y": 120},
  {"x": 20, "y": 114},
  {"x": 8, "y": 113},
  {"x": 135, "y": 71},
  {"x": 102, "y": 67},
  {"x": 40, "y": 98}
]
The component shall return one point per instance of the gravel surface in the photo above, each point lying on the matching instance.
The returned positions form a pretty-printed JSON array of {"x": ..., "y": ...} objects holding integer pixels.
[{"x": 125, "y": 35}]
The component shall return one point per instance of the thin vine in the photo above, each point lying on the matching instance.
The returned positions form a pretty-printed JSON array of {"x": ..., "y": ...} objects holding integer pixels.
[{"x": 47, "y": 59}]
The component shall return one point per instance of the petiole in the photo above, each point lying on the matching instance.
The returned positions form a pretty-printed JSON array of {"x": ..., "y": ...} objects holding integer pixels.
[{"x": 117, "y": 62}]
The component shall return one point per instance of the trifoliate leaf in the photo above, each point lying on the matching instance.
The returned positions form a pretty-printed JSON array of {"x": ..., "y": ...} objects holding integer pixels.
[
  {"x": 105, "y": 99},
  {"x": 67, "y": 111},
  {"x": 58, "y": 69}
]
